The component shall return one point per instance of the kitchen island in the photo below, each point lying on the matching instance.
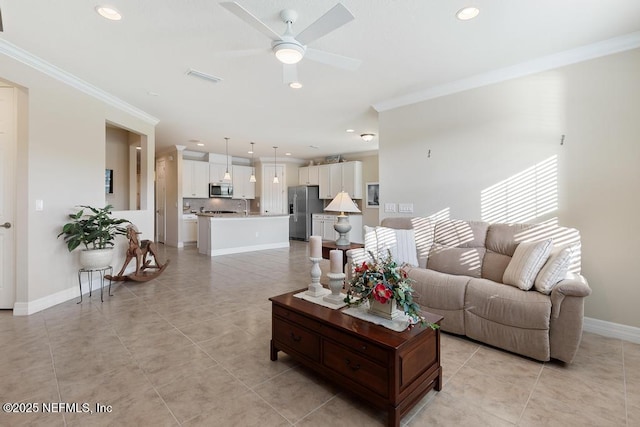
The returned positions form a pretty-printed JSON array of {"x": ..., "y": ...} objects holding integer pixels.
[{"x": 223, "y": 234}]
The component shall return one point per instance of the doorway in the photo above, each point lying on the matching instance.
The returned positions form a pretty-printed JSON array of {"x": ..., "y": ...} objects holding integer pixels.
[
  {"x": 8, "y": 147},
  {"x": 161, "y": 198}
]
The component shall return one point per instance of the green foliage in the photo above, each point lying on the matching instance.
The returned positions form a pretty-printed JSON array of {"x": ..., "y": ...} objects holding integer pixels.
[
  {"x": 379, "y": 276},
  {"x": 94, "y": 230}
]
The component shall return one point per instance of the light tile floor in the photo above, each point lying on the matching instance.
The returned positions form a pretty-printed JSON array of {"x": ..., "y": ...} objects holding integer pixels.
[{"x": 192, "y": 348}]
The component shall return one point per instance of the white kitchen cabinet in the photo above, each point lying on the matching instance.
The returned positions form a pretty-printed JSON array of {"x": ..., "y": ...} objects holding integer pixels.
[
  {"x": 335, "y": 177},
  {"x": 217, "y": 171},
  {"x": 242, "y": 188},
  {"x": 309, "y": 175},
  {"x": 330, "y": 180},
  {"x": 189, "y": 228},
  {"x": 352, "y": 179},
  {"x": 218, "y": 166},
  {"x": 195, "y": 179},
  {"x": 322, "y": 225}
]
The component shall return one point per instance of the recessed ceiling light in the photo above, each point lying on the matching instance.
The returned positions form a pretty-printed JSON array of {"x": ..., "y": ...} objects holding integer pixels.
[
  {"x": 250, "y": 152},
  {"x": 287, "y": 154},
  {"x": 109, "y": 13},
  {"x": 467, "y": 13},
  {"x": 295, "y": 85},
  {"x": 138, "y": 148},
  {"x": 200, "y": 144},
  {"x": 350, "y": 130}
]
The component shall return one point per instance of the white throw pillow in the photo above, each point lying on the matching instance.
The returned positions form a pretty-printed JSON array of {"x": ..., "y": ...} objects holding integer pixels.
[
  {"x": 527, "y": 260},
  {"x": 554, "y": 270},
  {"x": 401, "y": 244}
]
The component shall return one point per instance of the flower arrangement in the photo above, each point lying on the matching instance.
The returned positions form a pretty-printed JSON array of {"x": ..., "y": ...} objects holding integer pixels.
[{"x": 384, "y": 281}]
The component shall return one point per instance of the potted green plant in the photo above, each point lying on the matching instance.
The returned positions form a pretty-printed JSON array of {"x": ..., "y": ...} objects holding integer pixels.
[{"x": 95, "y": 229}]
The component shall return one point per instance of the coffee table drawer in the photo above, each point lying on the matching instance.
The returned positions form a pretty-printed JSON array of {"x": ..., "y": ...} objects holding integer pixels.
[
  {"x": 359, "y": 345},
  {"x": 297, "y": 339},
  {"x": 356, "y": 367},
  {"x": 296, "y": 318}
]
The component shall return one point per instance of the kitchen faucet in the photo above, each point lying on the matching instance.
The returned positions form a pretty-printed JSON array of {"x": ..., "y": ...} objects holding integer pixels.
[{"x": 246, "y": 206}]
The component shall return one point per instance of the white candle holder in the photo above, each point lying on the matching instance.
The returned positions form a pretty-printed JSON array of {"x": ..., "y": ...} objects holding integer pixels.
[
  {"x": 336, "y": 281},
  {"x": 315, "y": 288}
]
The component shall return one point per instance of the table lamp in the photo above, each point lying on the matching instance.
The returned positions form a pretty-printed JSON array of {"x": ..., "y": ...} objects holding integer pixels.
[{"x": 342, "y": 203}]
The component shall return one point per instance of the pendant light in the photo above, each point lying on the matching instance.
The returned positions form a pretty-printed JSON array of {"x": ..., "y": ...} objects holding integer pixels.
[
  {"x": 227, "y": 175},
  {"x": 275, "y": 170},
  {"x": 252, "y": 178}
]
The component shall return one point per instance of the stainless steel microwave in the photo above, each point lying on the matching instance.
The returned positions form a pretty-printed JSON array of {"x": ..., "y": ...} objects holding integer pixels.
[{"x": 220, "y": 190}]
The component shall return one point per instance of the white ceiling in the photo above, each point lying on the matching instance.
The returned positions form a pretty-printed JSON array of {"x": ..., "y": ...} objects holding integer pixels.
[{"x": 406, "y": 46}]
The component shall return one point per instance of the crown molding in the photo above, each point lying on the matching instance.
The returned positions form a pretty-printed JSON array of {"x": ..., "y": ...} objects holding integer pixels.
[
  {"x": 545, "y": 63},
  {"x": 21, "y": 55}
]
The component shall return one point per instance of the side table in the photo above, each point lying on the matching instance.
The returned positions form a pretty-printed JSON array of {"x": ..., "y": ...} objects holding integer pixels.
[
  {"x": 89, "y": 272},
  {"x": 329, "y": 245}
]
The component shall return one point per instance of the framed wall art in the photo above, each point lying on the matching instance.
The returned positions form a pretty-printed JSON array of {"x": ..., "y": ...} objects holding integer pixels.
[{"x": 373, "y": 195}]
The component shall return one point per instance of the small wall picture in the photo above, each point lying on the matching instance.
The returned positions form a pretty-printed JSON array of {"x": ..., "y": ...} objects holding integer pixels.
[
  {"x": 108, "y": 181},
  {"x": 373, "y": 195}
]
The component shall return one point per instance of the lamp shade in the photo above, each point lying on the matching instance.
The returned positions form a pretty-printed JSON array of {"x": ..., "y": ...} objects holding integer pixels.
[{"x": 342, "y": 203}]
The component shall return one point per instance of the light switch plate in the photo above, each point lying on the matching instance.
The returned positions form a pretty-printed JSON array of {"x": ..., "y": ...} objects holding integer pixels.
[
  {"x": 389, "y": 207},
  {"x": 405, "y": 207},
  {"x": 39, "y": 205}
]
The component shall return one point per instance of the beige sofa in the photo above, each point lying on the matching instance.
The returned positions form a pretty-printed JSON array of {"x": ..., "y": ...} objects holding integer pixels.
[{"x": 460, "y": 272}]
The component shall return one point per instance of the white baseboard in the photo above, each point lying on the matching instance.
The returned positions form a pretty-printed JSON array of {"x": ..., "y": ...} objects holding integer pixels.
[
  {"x": 612, "y": 330},
  {"x": 241, "y": 249},
  {"x": 31, "y": 307}
]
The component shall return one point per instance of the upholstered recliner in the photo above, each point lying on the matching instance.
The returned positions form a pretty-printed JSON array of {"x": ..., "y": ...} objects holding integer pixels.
[{"x": 462, "y": 272}]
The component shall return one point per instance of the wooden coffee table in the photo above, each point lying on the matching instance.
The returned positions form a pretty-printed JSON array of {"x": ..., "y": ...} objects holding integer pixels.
[{"x": 391, "y": 370}]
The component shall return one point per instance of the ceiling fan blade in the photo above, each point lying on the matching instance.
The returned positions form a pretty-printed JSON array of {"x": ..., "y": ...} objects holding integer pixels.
[
  {"x": 289, "y": 73},
  {"x": 333, "y": 59},
  {"x": 250, "y": 19},
  {"x": 336, "y": 17},
  {"x": 1, "y": 28}
]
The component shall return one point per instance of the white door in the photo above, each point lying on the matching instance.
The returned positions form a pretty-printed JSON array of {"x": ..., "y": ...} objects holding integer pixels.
[
  {"x": 161, "y": 197},
  {"x": 273, "y": 195},
  {"x": 7, "y": 197}
]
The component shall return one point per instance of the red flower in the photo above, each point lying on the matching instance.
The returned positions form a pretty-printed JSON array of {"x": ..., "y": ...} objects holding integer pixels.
[
  {"x": 381, "y": 293},
  {"x": 364, "y": 267}
]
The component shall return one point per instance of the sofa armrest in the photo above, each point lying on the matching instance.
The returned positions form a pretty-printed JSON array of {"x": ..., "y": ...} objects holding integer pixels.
[{"x": 573, "y": 286}]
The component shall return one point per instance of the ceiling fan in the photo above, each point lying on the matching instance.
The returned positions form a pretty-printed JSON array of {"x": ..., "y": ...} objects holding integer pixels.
[{"x": 290, "y": 48}]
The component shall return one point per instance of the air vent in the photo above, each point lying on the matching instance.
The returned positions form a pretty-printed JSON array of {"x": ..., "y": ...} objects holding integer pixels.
[{"x": 204, "y": 76}]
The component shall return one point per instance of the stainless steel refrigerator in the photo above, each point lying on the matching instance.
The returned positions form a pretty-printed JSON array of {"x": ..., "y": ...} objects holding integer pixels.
[{"x": 303, "y": 201}]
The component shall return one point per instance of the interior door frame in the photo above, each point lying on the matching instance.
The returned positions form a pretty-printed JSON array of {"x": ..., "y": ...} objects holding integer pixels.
[{"x": 9, "y": 261}]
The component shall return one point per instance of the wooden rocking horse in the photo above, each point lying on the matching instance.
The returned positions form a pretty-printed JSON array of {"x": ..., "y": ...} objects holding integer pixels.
[{"x": 140, "y": 251}]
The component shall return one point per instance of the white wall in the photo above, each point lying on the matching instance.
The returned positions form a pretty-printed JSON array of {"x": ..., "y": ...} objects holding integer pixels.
[
  {"x": 61, "y": 158},
  {"x": 502, "y": 135}
]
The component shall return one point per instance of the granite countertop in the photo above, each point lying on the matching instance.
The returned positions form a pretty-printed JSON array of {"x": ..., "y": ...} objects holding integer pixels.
[{"x": 237, "y": 215}]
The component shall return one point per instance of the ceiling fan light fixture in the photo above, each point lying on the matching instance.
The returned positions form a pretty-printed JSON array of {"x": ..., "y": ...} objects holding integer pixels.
[
  {"x": 367, "y": 137},
  {"x": 467, "y": 13},
  {"x": 288, "y": 53},
  {"x": 109, "y": 13}
]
